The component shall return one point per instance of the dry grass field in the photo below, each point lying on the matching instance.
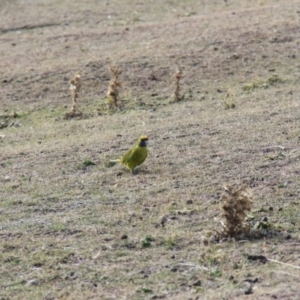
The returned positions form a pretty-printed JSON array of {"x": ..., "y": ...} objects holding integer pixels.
[{"x": 73, "y": 227}]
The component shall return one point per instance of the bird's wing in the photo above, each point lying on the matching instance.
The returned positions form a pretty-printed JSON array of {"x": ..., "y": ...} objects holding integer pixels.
[
  {"x": 126, "y": 157},
  {"x": 135, "y": 154}
]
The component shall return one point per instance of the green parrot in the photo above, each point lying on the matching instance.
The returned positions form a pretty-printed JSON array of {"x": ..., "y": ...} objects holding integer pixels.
[{"x": 135, "y": 156}]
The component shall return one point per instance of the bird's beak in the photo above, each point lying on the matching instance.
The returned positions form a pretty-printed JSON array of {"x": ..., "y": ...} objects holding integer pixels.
[{"x": 144, "y": 139}]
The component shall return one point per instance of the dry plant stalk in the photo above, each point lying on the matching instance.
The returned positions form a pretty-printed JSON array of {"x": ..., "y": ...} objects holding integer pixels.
[
  {"x": 229, "y": 95},
  {"x": 114, "y": 87},
  {"x": 75, "y": 85},
  {"x": 235, "y": 203},
  {"x": 177, "y": 76}
]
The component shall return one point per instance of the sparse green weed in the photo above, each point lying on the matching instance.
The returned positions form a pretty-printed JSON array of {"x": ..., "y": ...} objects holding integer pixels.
[{"x": 147, "y": 241}]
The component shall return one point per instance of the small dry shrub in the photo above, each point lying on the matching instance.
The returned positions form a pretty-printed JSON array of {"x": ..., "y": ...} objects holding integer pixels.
[
  {"x": 75, "y": 85},
  {"x": 236, "y": 201},
  {"x": 114, "y": 87}
]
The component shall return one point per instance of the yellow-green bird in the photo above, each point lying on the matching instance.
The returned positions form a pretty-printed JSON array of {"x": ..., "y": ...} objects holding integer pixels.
[{"x": 135, "y": 156}]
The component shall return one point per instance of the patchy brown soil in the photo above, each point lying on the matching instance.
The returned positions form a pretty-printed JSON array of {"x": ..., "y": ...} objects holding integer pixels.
[{"x": 73, "y": 228}]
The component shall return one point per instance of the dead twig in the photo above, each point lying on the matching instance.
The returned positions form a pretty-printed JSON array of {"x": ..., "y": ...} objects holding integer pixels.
[{"x": 282, "y": 263}]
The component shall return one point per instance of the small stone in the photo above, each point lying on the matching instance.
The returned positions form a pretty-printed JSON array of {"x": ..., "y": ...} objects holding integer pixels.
[
  {"x": 32, "y": 282},
  {"x": 163, "y": 221},
  {"x": 213, "y": 239},
  {"x": 197, "y": 283}
]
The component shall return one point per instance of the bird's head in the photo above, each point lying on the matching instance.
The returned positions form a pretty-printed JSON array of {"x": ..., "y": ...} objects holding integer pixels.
[{"x": 143, "y": 140}]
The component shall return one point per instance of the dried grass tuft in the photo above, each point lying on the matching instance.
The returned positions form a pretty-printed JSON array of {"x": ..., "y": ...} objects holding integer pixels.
[
  {"x": 177, "y": 76},
  {"x": 7, "y": 119},
  {"x": 256, "y": 83},
  {"x": 235, "y": 203},
  {"x": 75, "y": 85},
  {"x": 114, "y": 87}
]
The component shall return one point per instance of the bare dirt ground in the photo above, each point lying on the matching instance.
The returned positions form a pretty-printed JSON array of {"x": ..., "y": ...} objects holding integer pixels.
[{"x": 73, "y": 228}]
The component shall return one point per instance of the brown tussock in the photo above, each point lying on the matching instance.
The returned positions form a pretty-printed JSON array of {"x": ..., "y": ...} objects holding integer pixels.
[
  {"x": 235, "y": 203},
  {"x": 75, "y": 85},
  {"x": 114, "y": 87}
]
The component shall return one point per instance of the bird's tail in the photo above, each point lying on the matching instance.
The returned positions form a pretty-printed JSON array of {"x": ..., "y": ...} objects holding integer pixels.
[{"x": 115, "y": 160}]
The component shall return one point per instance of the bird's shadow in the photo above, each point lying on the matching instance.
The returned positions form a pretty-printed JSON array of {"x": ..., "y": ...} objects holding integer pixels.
[{"x": 141, "y": 171}]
